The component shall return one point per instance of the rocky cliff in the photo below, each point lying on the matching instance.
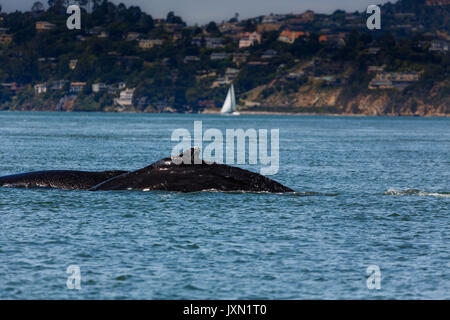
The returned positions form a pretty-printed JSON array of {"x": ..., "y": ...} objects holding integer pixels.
[{"x": 341, "y": 100}]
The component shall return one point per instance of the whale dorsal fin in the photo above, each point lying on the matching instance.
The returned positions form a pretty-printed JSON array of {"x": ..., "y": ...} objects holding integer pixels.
[{"x": 187, "y": 157}]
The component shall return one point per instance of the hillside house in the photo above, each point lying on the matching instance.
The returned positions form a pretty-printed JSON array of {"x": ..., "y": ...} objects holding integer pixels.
[
  {"x": 40, "y": 88},
  {"x": 269, "y": 54},
  {"x": 248, "y": 39},
  {"x": 99, "y": 87},
  {"x": 267, "y": 27},
  {"x": 229, "y": 27},
  {"x": 393, "y": 80},
  {"x": 132, "y": 36},
  {"x": 188, "y": 59},
  {"x": 13, "y": 87},
  {"x": 44, "y": 26},
  {"x": 204, "y": 74},
  {"x": 197, "y": 41},
  {"x": 76, "y": 87},
  {"x": 172, "y": 27},
  {"x": 47, "y": 59},
  {"x": 126, "y": 98},
  {"x": 332, "y": 37},
  {"x": 375, "y": 69},
  {"x": 57, "y": 85},
  {"x": 219, "y": 55},
  {"x": 439, "y": 46},
  {"x": 230, "y": 76},
  {"x": 150, "y": 43},
  {"x": 288, "y": 36},
  {"x": 214, "y": 43}
]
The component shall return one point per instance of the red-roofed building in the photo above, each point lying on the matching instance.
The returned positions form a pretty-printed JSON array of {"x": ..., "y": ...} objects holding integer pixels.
[{"x": 289, "y": 36}]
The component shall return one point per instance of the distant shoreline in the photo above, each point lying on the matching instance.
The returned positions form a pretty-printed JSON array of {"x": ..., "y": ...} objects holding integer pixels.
[
  {"x": 261, "y": 113},
  {"x": 330, "y": 114}
]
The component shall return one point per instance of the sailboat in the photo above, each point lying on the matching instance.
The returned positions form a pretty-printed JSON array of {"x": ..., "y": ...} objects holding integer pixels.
[{"x": 229, "y": 105}]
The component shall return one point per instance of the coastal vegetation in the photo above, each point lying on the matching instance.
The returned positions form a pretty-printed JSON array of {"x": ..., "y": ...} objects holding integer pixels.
[{"x": 124, "y": 59}]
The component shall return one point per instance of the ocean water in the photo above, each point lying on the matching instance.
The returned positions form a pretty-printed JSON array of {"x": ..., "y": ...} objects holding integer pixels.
[{"x": 370, "y": 191}]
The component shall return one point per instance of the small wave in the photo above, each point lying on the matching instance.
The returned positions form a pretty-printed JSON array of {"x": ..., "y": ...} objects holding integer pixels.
[
  {"x": 416, "y": 192},
  {"x": 313, "y": 194}
]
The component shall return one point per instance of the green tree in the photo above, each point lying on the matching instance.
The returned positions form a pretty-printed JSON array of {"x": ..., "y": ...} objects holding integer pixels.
[
  {"x": 250, "y": 26},
  {"x": 37, "y": 7},
  {"x": 212, "y": 27},
  {"x": 5, "y": 95},
  {"x": 172, "y": 18}
]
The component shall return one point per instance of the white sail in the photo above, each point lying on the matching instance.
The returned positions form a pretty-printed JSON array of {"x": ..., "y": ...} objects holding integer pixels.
[
  {"x": 228, "y": 104},
  {"x": 233, "y": 99}
]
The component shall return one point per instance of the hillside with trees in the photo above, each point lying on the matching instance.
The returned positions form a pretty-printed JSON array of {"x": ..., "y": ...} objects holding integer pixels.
[{"x": 124, "y": 59}]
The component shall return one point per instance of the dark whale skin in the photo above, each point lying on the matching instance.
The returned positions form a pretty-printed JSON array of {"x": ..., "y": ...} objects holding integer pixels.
[
  {"x": 165, "y": 175},
  {"x": 59, "y": 179}
]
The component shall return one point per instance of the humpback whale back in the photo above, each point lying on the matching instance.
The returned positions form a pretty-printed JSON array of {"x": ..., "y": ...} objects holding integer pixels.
[
  {"x": 60, "y": 179},
  {"x": 169, "y": 174},
  {"x": 185, "y": 173}
]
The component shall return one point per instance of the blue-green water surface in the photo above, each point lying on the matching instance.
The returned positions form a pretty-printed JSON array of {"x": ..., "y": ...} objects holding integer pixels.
[{"x": 371, "y": 191}]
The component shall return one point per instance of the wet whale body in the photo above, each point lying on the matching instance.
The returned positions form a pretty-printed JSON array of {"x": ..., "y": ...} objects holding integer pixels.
[
  {"x": 196, "y": 175},
  {"x": 165, "y": 175},
  {"x": 59, "y": 179}
]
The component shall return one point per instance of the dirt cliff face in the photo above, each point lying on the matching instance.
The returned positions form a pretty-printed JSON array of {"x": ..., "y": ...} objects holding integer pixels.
[
  {"x": 370, "y": 102},
  {"x": 385, "y": 104},
  {"x": 310, "y": 97}
]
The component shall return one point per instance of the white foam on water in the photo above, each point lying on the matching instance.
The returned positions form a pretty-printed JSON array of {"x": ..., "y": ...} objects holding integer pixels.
[{"x": 416, "y": 192}]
